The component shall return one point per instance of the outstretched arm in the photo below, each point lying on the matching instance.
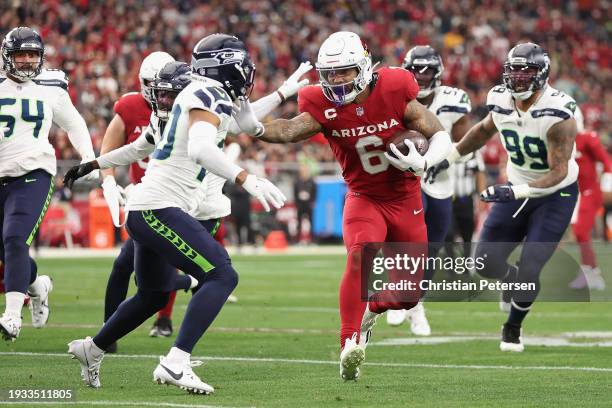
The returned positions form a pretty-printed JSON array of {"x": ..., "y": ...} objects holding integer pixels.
[
  {"x": 292, "y": 130},
  {"x": 477, "y": 136}
]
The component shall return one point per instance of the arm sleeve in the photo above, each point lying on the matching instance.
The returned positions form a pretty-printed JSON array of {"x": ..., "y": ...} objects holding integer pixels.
[
  {"x": 440, "y": 147},
  {"x": 203, "y": 150},
  {"x": 130, "y": 153},
  {"x": 68, "y": 118},
  {"x": 261, "y": 107}
]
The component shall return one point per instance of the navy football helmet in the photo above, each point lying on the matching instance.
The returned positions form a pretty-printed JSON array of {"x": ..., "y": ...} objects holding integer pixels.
[
  {"x": 22, "y": 39},
  {"x": 225, "y": 59},
  {"x": 170, "y": 81},
  {"x": 526, "y": 70},
  {"x": 426, "y": 65}
]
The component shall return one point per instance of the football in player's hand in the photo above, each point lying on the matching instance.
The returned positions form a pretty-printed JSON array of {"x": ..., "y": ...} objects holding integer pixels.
[{"x": 420, "y": 142}]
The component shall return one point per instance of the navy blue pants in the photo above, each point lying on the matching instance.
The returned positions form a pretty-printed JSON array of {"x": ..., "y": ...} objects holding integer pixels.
[
  {"x": 540, "y": 222},
  {"x": 23, "y": 203},
  {"x": 438, "y": 218},
  {"x": 170, "y": 235},
  {"x": 123, "y": 266}
]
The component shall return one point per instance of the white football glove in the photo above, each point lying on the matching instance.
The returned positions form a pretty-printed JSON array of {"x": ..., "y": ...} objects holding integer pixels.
[
  {"x": 606, "y": 182},
  {"x": 413, "y": 162},
  {"x": 114, "y": 196},
  {"x": 263, "y": 190},
  {"x": 246, "y": 120},
  {"x": 292, "y": 84},
  {"x": 3, "y": 131}
]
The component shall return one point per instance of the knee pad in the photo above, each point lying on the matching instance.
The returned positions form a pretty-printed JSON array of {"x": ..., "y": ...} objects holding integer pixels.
[{"x": 226, "y": 274}]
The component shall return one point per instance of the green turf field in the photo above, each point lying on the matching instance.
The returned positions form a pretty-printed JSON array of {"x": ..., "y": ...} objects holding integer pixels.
[{"x": 278, "y": 347}]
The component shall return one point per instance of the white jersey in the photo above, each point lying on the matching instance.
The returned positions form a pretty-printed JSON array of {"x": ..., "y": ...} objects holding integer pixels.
[
  {"x": 524, "y": 134},
  {"x": 449, "y": 105},
  {"x": 172, "y": 178},
  {"x": 28, "y": 109}
]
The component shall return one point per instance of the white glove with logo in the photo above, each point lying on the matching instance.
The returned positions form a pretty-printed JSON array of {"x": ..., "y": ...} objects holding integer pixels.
[
  {"x": 115, "y": 198},
  {"x": 3, "y": 131},
  {"x": 263, "y": 190},
  {"x": 413, "y": 162},
  {"x": 246, "y": 120},
  {"x": 292, "y": 84}
]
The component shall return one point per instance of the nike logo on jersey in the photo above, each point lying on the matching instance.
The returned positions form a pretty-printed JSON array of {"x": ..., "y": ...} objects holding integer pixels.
[
  {"x": 566, "y": 195},
  {"x": 29, "y": 180},
  {"x": 417, "y": 212},
  {"x": 172, "y": 373}
]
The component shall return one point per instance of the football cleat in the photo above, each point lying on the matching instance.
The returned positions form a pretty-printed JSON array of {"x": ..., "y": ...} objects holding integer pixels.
[
  {"x": 511, "y": 338},
  {"x": 588, "y": 278},
  {"x": 396, "y": 317},
  {"x": 367, "y": 324},
  {"x": 181, "y": 375},
  {"x": 10, "y": 326},
  {"x": 90, "y": 357},
  {"x": 39, "y": 303},
  {"x": 351, "y": 358},
  {"x": 418, "y": 321},
  {"x": 161, "y": 328},
  {"x": 232, "y": 299}
]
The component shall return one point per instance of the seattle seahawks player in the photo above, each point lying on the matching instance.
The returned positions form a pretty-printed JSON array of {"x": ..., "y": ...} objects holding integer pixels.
[
  {"x": 31, "y": 98},
  {"x": 222, "y": 72},
  {"x": 451, "y": 106},
  {"x": 538, "y": 130}
]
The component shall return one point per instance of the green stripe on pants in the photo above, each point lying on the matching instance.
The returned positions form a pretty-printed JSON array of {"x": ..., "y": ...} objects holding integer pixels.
[
  {"x": 216, "y": 227},
  {"x": 42, "y": 214},
  {"x": 179, "y": 243}
]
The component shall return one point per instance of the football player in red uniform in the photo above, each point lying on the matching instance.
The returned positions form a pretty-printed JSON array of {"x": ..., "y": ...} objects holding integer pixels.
[
  {"x": 589, "y": 151},
  {"x": 359, "y": 111}
]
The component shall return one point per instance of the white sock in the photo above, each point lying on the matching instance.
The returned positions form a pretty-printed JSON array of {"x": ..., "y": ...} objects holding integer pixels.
[
  {"x": 176, "y": 355},
  {"x": 14, "y": 303},
  {"x": 194, "y": 282},
  {"x": 36, "y": 288}
]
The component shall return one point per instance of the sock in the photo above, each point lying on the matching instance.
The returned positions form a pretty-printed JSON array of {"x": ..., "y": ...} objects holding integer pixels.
[
  {"x": 33, "y": 270},
  {"x": 14, "y": 303},
  {"x": 166, "y": 311},
  {"x": 352, "y": 306},
  {"x": 178, "y": 356},
  {"x": 518, "y": 311},
  {"x": 36, "y": 287}
]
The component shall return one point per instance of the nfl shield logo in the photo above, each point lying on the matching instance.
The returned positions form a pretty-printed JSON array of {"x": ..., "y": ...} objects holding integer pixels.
[{"x": 359, "y": 111}]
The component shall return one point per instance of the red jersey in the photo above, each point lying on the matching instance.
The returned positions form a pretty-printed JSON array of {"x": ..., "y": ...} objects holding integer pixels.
[
  {"x": 136, "y": 114},
  {"x": 358, "y": 133},
  {"x": 589, "y": 151}
]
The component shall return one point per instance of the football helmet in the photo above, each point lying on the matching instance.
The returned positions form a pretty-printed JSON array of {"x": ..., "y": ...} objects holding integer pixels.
[
  {"x": 426, "y": 65},
  {"x": 171, "y": 79},
  {"x": 22, "y": 39},
  {"x": 341, "y": 51},
  {"x": 526, "y": 70},
  {"x": 225, "y": 59},
  {"x": 148, "y": 71}
]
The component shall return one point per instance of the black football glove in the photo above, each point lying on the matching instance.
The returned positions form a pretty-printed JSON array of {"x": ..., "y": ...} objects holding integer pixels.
[
  {"x": 433, "y": 171},
  {"x": 499, "y": 193},
  {"x": 77, "y": 172}
]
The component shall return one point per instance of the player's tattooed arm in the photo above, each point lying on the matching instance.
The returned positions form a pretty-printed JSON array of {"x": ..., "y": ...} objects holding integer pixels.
[
  {"x": 418, "y": 117},
  {"x": 460, "y": 128},
  {"x": 477, "y": 136},
  {"x": 292, "y": 130},
  {"x": 561, "y": 137}
]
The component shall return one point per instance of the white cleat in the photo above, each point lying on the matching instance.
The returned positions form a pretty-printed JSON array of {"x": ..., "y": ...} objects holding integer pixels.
[
  {"x": 90, "y": 357},
  {"x": 10, "y": 327},
  {"x": 588, "y": 278},
  {"x": 396, "y": 317},
  {"x": 181, "y": 375},
  {"x": 418, "y": 321},
  {"x": 232, "y": 299},
  {"x": 39, "y": 304},
  {"x": 367, "y": 324},
  {"x": 351, "y": 358}
]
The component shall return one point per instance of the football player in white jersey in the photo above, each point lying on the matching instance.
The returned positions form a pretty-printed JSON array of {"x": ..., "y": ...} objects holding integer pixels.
[
  {"x": 451, "y": 106},
  {"x": 158, "y": 220},
  {"x": 538, "y": 130},
  {"x": 31, "y": 99}
]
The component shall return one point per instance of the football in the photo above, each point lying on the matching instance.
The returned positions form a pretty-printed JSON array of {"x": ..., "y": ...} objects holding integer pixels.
[{"x": 420, "y": 142}]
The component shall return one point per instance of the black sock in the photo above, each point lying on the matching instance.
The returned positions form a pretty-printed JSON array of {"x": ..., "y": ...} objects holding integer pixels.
[
  {"x": 518, "y": 311},
  {"x": 129, "y": 315}
]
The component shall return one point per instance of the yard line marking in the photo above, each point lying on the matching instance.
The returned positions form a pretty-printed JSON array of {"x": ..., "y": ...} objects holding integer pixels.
[
  {"x": 327, "y": 362},
  {"x": 115, "y": 403}
]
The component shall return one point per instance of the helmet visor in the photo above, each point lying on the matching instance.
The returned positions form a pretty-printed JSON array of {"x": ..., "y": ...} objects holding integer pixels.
[
  {"x": 519, "y": 78},
  {"x": 339, "y": 81},
  {"x": 424, "y": 75}
]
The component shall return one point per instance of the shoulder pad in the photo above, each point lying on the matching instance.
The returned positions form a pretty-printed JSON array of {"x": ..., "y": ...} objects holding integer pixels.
[
  {"x": 498, "y": 100},
  {"x": 214, "y": 98},
  {"x": 556, "y": 103},
  {"x": 52, "y": 77}
]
